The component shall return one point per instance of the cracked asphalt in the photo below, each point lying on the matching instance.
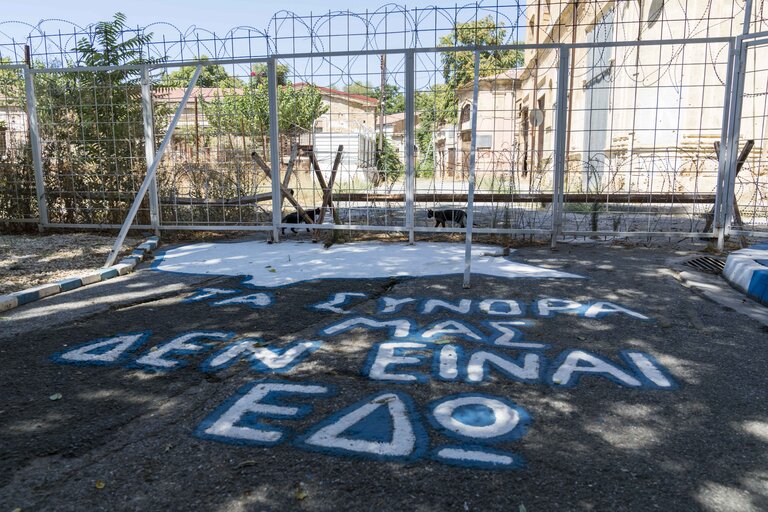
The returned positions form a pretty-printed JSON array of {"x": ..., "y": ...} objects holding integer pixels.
[{"x": 124, "y": 438}]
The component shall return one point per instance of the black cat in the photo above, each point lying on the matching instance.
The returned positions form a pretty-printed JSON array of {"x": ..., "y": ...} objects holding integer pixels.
[
  {"x": 295, "y": 218},
  {"x": 457, "y": 216}
]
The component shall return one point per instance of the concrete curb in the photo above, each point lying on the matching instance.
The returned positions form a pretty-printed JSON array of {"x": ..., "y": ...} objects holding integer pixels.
[
  {"x": 125, "y": 265},
  {"x": 747, "y": 270}
]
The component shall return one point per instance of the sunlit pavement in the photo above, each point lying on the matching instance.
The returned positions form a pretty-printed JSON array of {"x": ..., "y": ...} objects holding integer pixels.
[{"x": 623, "y": 390}]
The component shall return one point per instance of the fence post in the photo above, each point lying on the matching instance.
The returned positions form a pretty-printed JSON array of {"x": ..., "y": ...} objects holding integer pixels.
[
  {"x": 722, "y": 164},
  {"x": 149, "y": 147},
  {"x": 152, "y": 170},
  {"x": 471, "y": 188},
  {"x": 561, "y": 126},
  {"x": 747, "y": 16},
  {"x": 37, "y": 151},
  {"x": 734, "y": 129},
  {"x": 410, "y": 141},
  {"x": 274, "y": 149}
]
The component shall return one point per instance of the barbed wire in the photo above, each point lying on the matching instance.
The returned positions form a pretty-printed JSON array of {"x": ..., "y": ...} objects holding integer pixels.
[{"x": 391, "y": 26}]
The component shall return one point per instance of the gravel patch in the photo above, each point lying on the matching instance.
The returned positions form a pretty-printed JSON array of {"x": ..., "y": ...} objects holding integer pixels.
[{"x": 32, "y": 260}]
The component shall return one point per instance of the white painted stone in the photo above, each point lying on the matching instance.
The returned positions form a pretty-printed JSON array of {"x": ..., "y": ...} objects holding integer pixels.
[{"x": 8, "y": 302}]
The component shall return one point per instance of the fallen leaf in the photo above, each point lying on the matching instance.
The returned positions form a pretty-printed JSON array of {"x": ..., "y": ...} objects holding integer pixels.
[
  {"x": 442, "y": 342},
  {"x": 383, "y": 400},
  {"x": 100, "y": 484},
  {"x": 301, "y": 493},
  {"x": 246, "y": 463},
  {"x": 273, "y": 270},
  {"x": 55, "y": 396},
  {"x": 582, "y": 338}
]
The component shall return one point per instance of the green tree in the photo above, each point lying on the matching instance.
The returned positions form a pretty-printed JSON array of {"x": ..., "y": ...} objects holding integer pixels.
[
  {"x": 246, "y": 112},
  {"x": 11, "y": 83},
  {"x": 259, "y": 73},
  {"x": 436, "y": 106},
  {"x": 92, "y": 127},
  {"x": 17, "y": 182},
  {"x": 210, "y": 76},
  {"x": 387, "y": 161},
  {"x": 393, "y": 98},
  {"x": 458, "y": 67}
]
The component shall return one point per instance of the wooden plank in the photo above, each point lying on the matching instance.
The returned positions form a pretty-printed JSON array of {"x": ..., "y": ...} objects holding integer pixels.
[
  {"x": 288, "y": 172},
  {"x": 318, "y": 172},
  {"x": 328, "y": 192},
  {"x": 264, "y": 167}
]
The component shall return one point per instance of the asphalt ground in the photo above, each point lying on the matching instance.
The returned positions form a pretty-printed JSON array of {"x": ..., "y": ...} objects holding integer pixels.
[{"x": 129, "y": 437}]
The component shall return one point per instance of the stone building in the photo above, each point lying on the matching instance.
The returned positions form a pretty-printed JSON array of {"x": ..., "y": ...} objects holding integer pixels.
[{"x": 640, "y": 118}]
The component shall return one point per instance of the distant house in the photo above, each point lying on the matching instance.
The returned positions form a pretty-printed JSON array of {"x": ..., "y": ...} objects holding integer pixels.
[
  {"x": 394, "y": 131},
  {"x": 641, "y": 118},
  {"x": 349, "y": 121},
  {"x": 497, "y": 129},
  {"x": 347, "y": 113}
]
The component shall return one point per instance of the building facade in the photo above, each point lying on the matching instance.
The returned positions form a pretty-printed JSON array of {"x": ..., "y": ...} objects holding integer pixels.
[{"x": 640, "y": 118}]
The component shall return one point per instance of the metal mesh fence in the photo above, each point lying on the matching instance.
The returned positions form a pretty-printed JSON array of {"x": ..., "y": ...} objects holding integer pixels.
[
  {"x": 17, "y": 179},
  {"x": 750, "y": 214},
  {"x": 374, "y": 116},
  {"x": 208, "y": 176},
  {"x": 91, "y": 137}
]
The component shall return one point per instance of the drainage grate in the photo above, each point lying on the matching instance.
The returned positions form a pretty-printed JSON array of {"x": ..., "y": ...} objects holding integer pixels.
[{"x": 707, "y": 264}]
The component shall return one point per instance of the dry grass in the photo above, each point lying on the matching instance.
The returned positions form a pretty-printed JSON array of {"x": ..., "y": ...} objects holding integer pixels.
[{"x": 31, "y": 260}]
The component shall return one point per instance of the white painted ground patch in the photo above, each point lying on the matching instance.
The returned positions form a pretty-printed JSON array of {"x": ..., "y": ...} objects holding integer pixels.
[{"x": 272, "y": 265}]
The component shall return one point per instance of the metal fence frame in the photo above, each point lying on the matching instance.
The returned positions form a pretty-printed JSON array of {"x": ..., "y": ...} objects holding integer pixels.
[{"x": 734, "y": 87}]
